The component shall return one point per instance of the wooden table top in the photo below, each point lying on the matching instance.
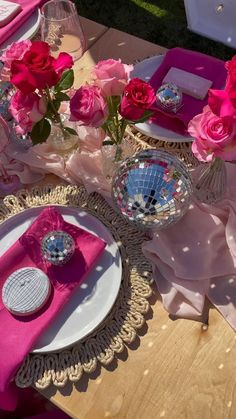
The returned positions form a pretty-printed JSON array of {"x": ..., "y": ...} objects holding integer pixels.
[{"x": 176, "y": 369}]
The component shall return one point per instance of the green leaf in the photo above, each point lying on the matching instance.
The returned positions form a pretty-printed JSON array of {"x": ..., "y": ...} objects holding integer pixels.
[
  {"x": 62, "y": 96},
  {"x": 70, "y": 130},
  {"x": 56, "y": 104},
  {"x": 107, "y": 142},
  {"x": 67, "y": 80},
  {"x": 40, "y": 132},
  {"x": 146, "y": 115}
]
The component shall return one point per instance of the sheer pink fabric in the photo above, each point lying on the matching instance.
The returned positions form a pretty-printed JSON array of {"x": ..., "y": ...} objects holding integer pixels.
[{"x": 196, "y": 258}]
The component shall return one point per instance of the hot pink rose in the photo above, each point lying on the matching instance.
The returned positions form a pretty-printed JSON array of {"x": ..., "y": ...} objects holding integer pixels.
[
  {"x": 138, "y": 97},
  {"x": 38, "y": 69},
  {"x": 111, "y": 76},
  {"x": 88, "y": 106},
  {"x": 213, "y": 136},
  {"x": 220, "y": 103},
  {"x": 231, "y": 68},
  {"x": 15, "y": 51},
  {"x": 27, "y": 110}
]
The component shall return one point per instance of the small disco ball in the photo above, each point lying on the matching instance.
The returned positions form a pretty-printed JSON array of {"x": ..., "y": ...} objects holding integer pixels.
[
  {"x": 169, "y": 97},
  {"x": 57, "y": 247},
  {"x": 152, "y": 188}
]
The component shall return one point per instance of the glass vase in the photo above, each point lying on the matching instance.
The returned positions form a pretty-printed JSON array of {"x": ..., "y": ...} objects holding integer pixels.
[
  {"x": 113, "y": 154},
  {"x": 60, "y": 139},
  {"x": 210, "y": 186}
]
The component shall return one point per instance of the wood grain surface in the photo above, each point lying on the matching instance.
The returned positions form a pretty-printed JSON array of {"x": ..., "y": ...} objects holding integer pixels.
[
  {"x": 114, "y": 44},
  {"x": 176, "y": 369}
]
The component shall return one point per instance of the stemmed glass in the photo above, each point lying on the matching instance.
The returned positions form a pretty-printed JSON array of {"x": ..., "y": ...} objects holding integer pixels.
[{"x": 61, "y": 28}]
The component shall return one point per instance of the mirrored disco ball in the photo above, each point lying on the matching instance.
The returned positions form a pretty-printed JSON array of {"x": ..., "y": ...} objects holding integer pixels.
[
  {"x": 169, "y": 97},
  {"x": 152, "y": 188},
  {"x": 57, "y": 247}
]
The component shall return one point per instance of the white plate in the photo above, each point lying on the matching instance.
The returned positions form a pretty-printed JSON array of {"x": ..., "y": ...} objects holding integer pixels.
[
  {"x": 93, "y": 300},
  {"x": 144, "y": 70},
  {"x": 26, "y": 31}
]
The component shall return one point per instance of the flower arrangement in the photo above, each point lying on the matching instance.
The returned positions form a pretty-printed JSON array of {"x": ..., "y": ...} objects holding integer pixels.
[
  {"x": 111, "y": 101},
  {"x": 214, "y": 130},
  {"x": 40, "y": 81}
]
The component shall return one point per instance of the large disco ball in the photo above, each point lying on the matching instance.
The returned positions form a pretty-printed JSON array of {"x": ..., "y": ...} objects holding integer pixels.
[{"x": 152, "y": 188}]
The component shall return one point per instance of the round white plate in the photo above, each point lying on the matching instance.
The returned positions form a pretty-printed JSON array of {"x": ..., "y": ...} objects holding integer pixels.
[
  {"x": 26, "y": 31},
  {"x": 144, "y": 70},
  {"x": 92, "y": 301}
]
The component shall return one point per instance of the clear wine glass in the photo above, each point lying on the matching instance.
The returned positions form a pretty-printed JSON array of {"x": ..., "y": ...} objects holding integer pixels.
[{"x": 61, "y": 28}]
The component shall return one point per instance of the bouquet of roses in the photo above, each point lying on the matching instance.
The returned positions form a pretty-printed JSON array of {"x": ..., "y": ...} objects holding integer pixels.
[
  {"x": 41, "y": 82},
  {"x": 111, "y": 101},
  {"x": 214, "y": 130}
]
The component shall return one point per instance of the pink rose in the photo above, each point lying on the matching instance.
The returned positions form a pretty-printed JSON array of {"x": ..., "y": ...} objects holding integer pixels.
[
  {"x": 111, "y": 76},
  {"x": 27, "y": 110},
  {"x": 137, "y": 99},
  {"x": 38, "y": 69},
  {"x": 88, "y": 107},
  {"x": 213, "y": 136},
  {"x": 231, "y": 68},
  {"x": 15, "y": 51}
]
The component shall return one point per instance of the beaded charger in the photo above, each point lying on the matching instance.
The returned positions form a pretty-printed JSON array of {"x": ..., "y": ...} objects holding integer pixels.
[{"x": 128, "y": 313}]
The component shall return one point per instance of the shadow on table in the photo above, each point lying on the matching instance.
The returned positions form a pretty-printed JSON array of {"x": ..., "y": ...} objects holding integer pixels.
[{"x": 159, "y": 21}]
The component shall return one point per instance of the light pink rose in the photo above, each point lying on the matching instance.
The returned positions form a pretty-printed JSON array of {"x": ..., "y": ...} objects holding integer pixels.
[
  {"x": 213, "y": 136},
  {"x": 88, "y": 106},
  {"x": 27, "y": 110},
  {"x": 15, "y": 51},
  {"x": 111, "y": 76}
]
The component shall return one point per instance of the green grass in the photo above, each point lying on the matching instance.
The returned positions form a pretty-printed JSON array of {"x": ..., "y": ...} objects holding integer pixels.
[{"x": 160, "y": 21}]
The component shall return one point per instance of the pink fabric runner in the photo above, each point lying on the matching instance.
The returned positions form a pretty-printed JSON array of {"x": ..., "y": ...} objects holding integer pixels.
[
  {"x": 194, "y": 62},
  {"x": 19, "y": 334},
  {"x": 28, "y": 7},
  {"x": 196, "y": 258}
]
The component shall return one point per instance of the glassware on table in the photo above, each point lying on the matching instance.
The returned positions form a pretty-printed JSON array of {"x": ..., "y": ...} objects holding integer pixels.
[
  {"x": 61, "y": 28},
  {"x": 210, "y": 186}
]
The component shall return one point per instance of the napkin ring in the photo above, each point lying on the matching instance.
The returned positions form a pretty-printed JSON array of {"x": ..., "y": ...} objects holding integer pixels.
[{"x": 57, "y": 247}]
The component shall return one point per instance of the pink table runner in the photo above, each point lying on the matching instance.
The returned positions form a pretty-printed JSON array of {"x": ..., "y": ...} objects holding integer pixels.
[
  {"x": 194, "y": 62},
  {"x": 19, "y": 334}
]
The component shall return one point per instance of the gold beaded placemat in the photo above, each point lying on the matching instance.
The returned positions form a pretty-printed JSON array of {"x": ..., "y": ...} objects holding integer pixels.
[
  {"x": 180, "y": 149},
  {"x": 128, "y": 313}
]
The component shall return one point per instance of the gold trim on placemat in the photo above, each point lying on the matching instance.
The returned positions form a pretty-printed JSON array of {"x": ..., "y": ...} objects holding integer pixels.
[{"x": 127, "y": 315}]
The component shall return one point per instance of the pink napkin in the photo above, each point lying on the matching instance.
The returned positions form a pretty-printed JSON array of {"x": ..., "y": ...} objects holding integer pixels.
[
  {"x": 18, "y": 334},
  {"x": 196, "y": 258},
  {"x": 28, "y": 7},
  {"x": 194, "y": 62}
]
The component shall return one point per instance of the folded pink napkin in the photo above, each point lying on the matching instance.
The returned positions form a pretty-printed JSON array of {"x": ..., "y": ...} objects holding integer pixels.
[
  {"x": 193, "y": 62},
  {"x": 18, "y": 334},
  {"x": 27, "y": 9},
  {"x": 196, "y": 258}
]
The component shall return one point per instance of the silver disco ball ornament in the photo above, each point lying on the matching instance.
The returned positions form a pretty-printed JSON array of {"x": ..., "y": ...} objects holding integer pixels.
[
  {"x": 57, "y": 247},
  {"x": 169, "y": 97},
  {"x": 152, "y": 188}
]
